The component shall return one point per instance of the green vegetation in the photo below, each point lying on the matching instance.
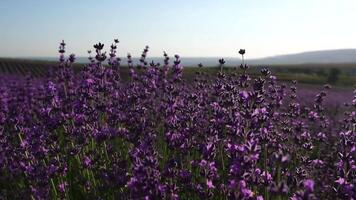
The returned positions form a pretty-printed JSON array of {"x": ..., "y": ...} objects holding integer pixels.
[{"x": 335, "y": 74}]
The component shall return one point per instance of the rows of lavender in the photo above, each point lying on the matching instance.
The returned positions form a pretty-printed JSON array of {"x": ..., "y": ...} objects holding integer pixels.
[{"x": 91, "y": 135}]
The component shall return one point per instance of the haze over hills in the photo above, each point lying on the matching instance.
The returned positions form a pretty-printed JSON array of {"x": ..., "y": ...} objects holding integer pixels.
[{"x": 310, "y": 57}]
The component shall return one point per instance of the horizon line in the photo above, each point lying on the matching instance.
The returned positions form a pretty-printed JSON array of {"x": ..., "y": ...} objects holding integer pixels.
[{"x": 235, "y": 57}]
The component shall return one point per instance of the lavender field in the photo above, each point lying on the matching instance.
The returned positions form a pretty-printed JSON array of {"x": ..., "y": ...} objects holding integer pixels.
[{"x": 91, "y": 135}]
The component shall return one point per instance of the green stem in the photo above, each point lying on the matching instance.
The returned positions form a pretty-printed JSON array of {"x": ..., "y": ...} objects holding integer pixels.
[
  {"x": 266, "y": 195},
  {"x": 54, "y": 188},
  {"x": 222, "y": 158}
]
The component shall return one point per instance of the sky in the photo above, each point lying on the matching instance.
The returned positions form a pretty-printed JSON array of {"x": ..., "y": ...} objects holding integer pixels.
[{"x": 190, "y": 28}]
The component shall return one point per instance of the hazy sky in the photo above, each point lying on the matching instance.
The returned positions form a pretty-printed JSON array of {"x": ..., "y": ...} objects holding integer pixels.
[{"x": 185, "y": 27}]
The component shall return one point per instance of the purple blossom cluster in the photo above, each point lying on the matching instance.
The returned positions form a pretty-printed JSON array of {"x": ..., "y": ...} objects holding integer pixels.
[{"x": 92, "y": 135}]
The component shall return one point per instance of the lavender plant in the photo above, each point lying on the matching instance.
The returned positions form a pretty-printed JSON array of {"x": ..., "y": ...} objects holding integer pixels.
[{"x": 92, "y": 135}]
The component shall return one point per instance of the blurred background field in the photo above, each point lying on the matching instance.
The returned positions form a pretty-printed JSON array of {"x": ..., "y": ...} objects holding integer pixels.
[{"x": 339, "y": 75}]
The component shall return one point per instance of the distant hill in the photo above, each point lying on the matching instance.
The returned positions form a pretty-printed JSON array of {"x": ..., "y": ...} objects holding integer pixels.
[{"x": 311, "y": 57}]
